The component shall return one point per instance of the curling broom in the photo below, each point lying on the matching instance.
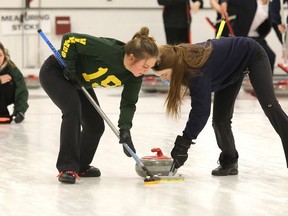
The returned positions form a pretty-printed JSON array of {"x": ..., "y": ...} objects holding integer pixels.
[{"x": 149, "y": 178}]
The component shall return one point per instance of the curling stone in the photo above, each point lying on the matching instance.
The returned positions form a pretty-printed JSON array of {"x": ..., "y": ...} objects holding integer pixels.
[{"x": 158, "y": 164}]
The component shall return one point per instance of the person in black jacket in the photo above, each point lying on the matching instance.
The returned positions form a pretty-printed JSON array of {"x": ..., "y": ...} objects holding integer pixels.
[
  {"x": 13, "y": 89},
  {"x": 252, "y": 20},
  {"x": 276, "y": 14},
  {"x": 177, "y": 19},
  {"x": 219, "y": 66}
]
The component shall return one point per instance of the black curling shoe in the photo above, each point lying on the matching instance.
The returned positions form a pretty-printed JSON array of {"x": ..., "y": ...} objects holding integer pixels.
[
  {"x": 91, "y": 172},
  {"x": 225, "y": 170},
  {"x": 68, "y": 177}
]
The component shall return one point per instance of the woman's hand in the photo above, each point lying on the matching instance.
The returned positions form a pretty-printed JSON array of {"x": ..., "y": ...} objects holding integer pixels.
[
  {"x": 281, "y": 28},
  {"x": 5, "y": 78}
]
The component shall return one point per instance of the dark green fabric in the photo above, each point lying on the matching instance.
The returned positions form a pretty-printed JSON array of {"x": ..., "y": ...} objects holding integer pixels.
[
  {"x": 98, "y": 62},
  {"x": 21, "y": 91}
]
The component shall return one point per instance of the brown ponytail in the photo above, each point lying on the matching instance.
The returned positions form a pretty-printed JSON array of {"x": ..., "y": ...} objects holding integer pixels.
[{"x": 142, "y": 46}]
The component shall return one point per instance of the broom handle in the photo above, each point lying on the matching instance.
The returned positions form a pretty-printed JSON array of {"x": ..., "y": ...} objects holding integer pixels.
[{"x": 229, "y": 25}]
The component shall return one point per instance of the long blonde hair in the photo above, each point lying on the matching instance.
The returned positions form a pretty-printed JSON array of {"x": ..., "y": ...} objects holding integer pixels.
[{"x": 185, "y": 60}]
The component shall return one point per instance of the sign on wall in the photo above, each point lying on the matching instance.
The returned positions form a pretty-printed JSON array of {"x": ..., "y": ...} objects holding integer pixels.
[{"x": 14, "y": 23}]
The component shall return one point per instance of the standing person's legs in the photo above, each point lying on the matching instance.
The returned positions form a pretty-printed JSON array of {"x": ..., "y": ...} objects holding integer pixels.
[
  {"x": 223, "y": 109},
  {"x": 177, "y": 35},
  {"x": 65, "y": 96},
  {"x": 92, "y": 130},
  {"x": 270, "y": 53},
  {"x": 184, "y": 35},
  {"x": 262, "y": 82}
]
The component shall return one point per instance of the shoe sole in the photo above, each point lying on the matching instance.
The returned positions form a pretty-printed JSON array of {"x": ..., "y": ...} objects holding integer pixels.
[
  {"x": 91, "y": 174},
  {"x": 231, "y": 172},
  {"x": 67, "y": 181}
]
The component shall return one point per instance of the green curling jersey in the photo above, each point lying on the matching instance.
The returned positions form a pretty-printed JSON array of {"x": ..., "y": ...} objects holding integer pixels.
[
  {"x": 99, "y": 62},
  {"x": 21, "y": 91}
]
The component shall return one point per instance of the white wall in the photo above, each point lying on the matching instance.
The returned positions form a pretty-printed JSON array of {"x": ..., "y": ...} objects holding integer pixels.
[
  {"x": 117, "y": 18},
  {"x": 88, "y": 3}
]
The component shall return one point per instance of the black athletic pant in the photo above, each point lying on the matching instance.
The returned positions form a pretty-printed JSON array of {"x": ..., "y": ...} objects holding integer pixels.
[
  {"x": 270, "y": 53},
  {"x": 81, "y": 127},
  {"x": 7, "y": 97},
  {"x": 261, "y": 79},
  {"x": 177, "y": 35}
]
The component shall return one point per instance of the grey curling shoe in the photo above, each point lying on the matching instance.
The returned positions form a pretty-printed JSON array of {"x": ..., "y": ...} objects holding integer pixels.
[{"x": 226, "y": 169}]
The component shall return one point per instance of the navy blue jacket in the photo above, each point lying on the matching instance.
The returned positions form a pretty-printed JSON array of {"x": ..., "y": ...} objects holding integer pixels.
[
  {"x": 275, "y": 11},
  {"x": 227, "y": 62},
  {"x": 245, "y": 11}
]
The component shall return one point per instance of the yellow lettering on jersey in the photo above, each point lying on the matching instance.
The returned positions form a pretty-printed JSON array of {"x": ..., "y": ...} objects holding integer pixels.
[
  {"x": 94, "y": 85},
  {"x": 63, "y": 54},
  {"x": 101, "y": 71},
  {"x": 77, "y": 40},
  {"x": 111, "y": 79},
  {"x": 82, "y": 41},
  {"x": 70, "y": 40},
  {"x": 67, "y": 43},
  {"x": 65, "y": 49}
]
